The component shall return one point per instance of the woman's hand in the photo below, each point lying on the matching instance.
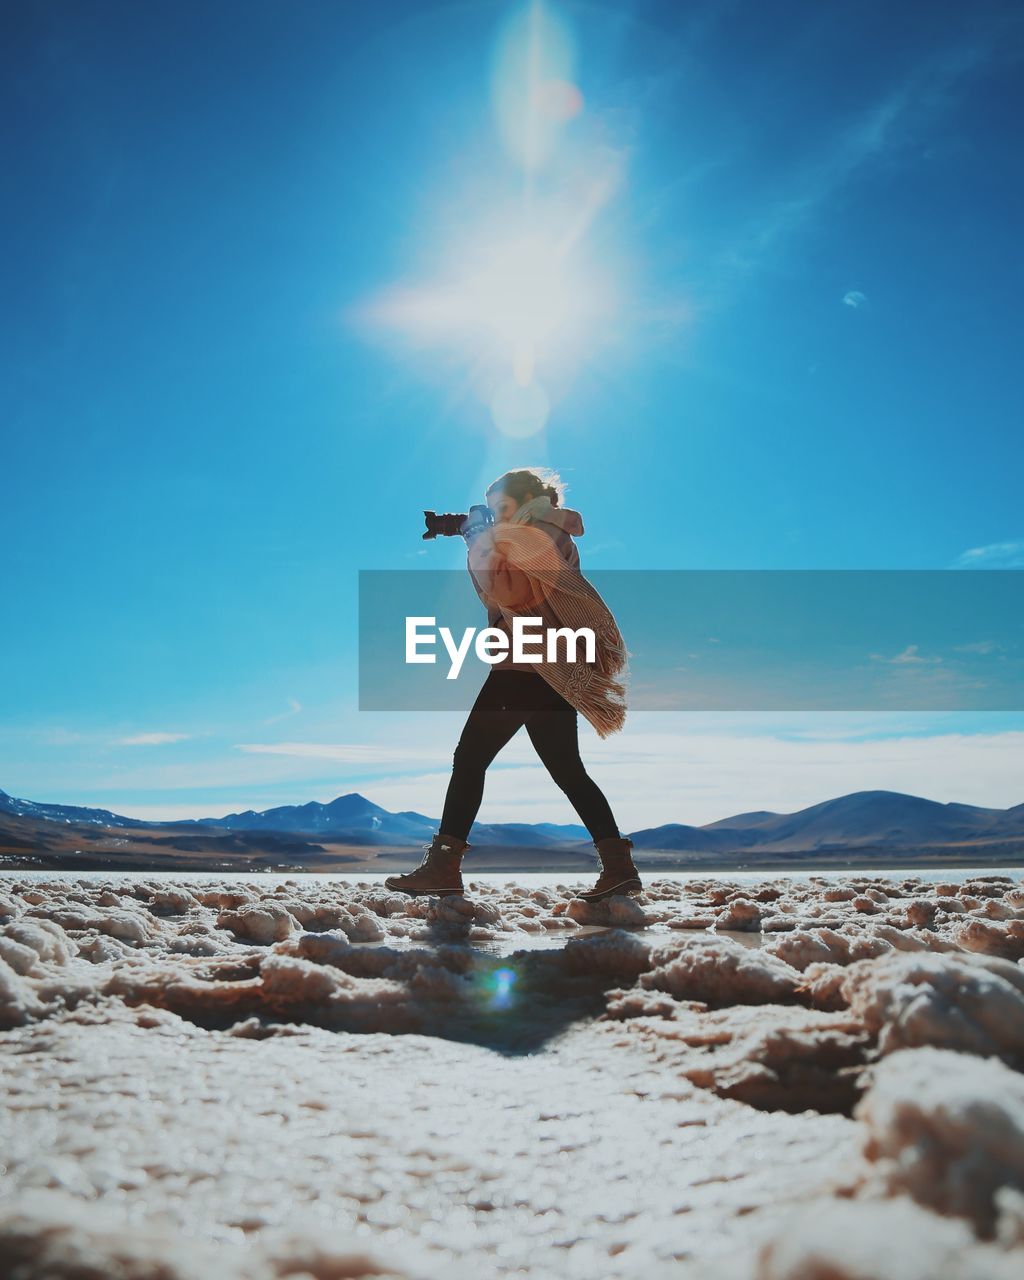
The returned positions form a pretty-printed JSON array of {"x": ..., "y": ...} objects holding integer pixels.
[
  {"x": 474, "y": 525},
  {"x": 503, "y": 584}
]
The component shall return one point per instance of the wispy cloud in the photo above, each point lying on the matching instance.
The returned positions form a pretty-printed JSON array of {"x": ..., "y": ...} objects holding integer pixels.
[
  {"x": 995, "y": 555},
  {"x": 854, "y": 298},
  {"x": 294, "y": 707},
  {"x": 150, "y": 739},
  {"x": 339, "y": 752},
  {"x": 882, "y": 127},
  {"x": 983, "y": 647},
  {"x": 910, "y": 656},
  {"x": 666, "y": 767},
  {"x": 652, "y": 778},
  {"x": 924, "y": 681}
]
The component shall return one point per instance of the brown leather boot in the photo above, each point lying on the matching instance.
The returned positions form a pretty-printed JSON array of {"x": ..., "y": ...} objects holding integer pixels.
[
  {"x": 439, "y": 873},
  {"x": 618, "y": 875}
]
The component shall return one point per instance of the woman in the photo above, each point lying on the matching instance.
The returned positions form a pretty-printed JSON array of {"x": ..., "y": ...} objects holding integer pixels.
[{"x": 527, "y": 564}]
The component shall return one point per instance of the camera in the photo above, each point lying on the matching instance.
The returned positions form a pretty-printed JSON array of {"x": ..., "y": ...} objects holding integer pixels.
[{"x": 453, "y": 523}]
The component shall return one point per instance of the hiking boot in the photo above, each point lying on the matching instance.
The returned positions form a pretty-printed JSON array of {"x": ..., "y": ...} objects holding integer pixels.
[
  {"x": 618, "y": 875},
  {"x": 439, "y": 873}
]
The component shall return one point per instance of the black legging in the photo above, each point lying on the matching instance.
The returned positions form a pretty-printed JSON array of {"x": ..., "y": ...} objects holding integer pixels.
[{"x": 507, "y": 701}]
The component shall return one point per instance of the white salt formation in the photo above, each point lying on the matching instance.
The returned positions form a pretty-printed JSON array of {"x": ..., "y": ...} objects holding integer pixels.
[
  {"x": 948, "y": 1130},
  {"x": 813, "y": 1079}
]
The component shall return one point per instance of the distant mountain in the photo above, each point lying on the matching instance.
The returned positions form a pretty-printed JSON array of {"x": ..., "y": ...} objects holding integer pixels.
[
  {"x": 350, "y": 814},
  {"x": 882, "y": 818},
  {"x": 348, "y": 817},
  {"x": 862, "y": 820},
  {"x": 677, "y": 836},
  {"x": 1016, "y": 814},
  {"x": 744, "y": 820},
  {"x": 353, "y": 814},
  {"x": 66, "y": 813}
]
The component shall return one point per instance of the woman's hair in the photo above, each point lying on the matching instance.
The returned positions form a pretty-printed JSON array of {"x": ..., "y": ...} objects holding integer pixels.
[{"x": 540, "y": 481}]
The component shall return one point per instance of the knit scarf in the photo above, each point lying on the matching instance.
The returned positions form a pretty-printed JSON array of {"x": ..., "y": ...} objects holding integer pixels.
[{"x": 521, "y": 572}]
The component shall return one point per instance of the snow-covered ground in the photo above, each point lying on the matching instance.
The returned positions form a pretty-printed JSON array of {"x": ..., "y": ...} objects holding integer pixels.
[{"x": 809, "y": 1079}]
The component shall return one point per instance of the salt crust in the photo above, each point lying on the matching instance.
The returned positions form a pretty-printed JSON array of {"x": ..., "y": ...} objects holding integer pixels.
[
  {"x": 316, "y": 1079},
  {"x": 856, "y": 1240},
  {"x": 947, "y": 1129},
  {"x": 57, "y": 1235}
]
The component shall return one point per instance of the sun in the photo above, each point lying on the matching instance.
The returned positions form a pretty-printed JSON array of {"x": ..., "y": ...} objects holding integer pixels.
[
  {"x": 523, "y": 296},
  {"x": 515, "y": 296},
  {"x": 523, "y": 292},
  {"x": 521, "y": 302}
]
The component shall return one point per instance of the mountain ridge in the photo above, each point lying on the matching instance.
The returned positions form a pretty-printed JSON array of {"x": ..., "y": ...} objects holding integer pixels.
[{"x": 873, "y": 818}]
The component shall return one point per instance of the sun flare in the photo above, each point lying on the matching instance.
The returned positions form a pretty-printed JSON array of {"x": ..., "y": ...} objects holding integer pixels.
[
  {"x": 513, "y": 293},
  {"x": 524, "y": 293}
]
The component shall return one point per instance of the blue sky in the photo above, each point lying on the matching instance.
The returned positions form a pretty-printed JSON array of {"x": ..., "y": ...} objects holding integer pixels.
[{"x": 794, "y": 283}]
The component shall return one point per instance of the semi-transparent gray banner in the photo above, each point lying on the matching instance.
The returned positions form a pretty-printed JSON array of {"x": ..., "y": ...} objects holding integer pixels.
[{"x": 731, "y": 639}]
